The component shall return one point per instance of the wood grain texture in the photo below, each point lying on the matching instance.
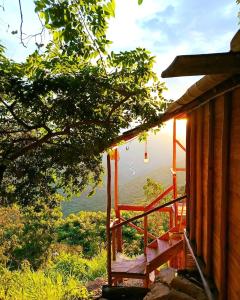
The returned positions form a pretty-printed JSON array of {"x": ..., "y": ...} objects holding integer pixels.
[
  {"x": 209, "y": 191},
  {"x": 188, "y": 137},
  {"x": 192, "y": 201},
  {"x": 203, "y": 64},
  {"x": 224, "y": 197},
  {"x": 217, "y": 187},
  {"x": 234, "y": 202},
  {"x": 205, "y": 178},
  {"x": 199, "y": 172}
]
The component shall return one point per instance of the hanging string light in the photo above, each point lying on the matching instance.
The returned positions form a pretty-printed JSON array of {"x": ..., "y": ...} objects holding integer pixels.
[{"x": 146, "y": 159}]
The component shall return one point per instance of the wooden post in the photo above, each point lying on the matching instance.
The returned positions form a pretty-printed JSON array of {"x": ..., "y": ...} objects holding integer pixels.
[
  {"x": 199, "y": 199},
  {"x": 117, "y": 211},
  {"x": 192, "y": 202},
  {"x": 188, "y": 151},
  {"x": 108, "y": 232},
  {"x": 145, "y": 223},
  {"x": 225, "y": 196},
  {"x": 174, "y": 162},
  {"x": 114, "y": 250}
]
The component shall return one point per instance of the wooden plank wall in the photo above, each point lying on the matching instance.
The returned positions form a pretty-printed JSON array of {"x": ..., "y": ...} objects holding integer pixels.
[
  {"x": 233, "y": 253},
  {"x": 213, "y": 151}
]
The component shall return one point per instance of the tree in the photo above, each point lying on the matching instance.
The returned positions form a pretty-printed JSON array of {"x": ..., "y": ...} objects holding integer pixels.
[
  {"x": 159, "y": 221},
  {"x": 61, "y": 109}
]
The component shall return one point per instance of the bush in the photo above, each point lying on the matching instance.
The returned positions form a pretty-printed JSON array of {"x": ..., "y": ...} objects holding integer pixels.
[
  {"x": 79, "y": 268},
  {"x": 86, "y": 229},
  {"x": 26, "y": 234},
  {"x": 28, "y": 285}
]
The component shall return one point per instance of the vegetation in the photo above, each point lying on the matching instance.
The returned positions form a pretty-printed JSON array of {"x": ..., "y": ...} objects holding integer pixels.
[
  {"x": 43, "y": 256},
  {"x": 61, "y": 108},
  {"x": 26, "y": 284}
]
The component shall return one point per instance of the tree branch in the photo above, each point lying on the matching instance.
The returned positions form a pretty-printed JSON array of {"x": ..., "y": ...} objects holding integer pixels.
[
  {"x": 117, "y": 105},
  {"x": 10, "y": 109},
  {"x": 21, "y": 23},
  {"x": 38, "y": 143}
]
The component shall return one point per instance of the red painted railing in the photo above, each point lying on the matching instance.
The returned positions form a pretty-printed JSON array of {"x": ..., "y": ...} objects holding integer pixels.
[{"x": 136, "y": 208}]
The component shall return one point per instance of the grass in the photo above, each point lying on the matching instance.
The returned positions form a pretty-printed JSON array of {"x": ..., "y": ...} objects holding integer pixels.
[{"x": 62, "y": 279}]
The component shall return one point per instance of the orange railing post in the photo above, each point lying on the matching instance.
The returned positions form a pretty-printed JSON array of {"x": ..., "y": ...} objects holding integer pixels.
[
  {"x": 145, "y": 222},
  {"x": 108, "y": 229},
  {"x": 116, "y": 205},
  {"x": 174, "y": 165}
]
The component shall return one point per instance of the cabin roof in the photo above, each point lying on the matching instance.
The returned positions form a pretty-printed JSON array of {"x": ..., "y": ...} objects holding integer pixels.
[
  {"x": 202, "y": 91},
  {"x": 206, "y": 64}
]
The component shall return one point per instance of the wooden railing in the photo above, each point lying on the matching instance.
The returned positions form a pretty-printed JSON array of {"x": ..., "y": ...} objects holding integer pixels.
[
  {"x": 143, "y": 208},
  {"x": 148, "y": 212},
  {"x": 114, "y": 226}
]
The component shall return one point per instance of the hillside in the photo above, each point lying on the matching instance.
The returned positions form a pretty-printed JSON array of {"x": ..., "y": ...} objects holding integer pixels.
[{"x": 133, "y": 172}]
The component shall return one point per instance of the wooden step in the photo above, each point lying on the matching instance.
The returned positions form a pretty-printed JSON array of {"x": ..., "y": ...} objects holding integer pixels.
[
  {"x": 152, "y": 253},
  {"x": 129, "y": 268},
  {"x": 160, "y": 255}
]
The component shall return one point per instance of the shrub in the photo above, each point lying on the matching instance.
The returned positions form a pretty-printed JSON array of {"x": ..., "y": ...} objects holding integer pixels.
[
  {"x": 86, "y": 229},
  {"x": 26, "y": 234},
  {"x": 74, "y": 266},
  {"x": 28, "y": 285}
]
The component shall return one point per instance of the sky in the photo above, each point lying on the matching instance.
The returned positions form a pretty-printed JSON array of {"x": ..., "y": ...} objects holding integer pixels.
[{"x": 165, "y": 27}]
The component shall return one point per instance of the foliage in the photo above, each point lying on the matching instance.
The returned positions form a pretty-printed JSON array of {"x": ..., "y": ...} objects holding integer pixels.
[
  {"x": 77, "y": 267},
  {"x": 27, "y": 234},
  {"x": 28, "y": 285},
  {"x": 61, "y": 109},
  {"x": 86, "y": 229},
  {"x": 159, "y": 221}
]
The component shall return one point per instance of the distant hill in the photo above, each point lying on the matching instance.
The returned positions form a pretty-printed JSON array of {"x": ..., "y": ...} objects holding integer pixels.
[{"x": 133, "y": 173}]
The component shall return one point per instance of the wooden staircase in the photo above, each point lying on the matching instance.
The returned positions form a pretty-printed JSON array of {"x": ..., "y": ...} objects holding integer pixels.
[{"x": 158, "y": 252}]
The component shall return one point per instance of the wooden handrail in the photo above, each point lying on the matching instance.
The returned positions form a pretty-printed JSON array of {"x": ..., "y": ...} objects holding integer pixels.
[
  {"x": 139, "y": 229},
  {"x": 131, "y": 207},
  {"x": 159, "y": 197},
  {"x": 148, "y": 212}
]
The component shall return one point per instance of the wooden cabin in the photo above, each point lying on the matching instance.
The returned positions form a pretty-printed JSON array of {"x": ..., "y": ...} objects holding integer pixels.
[
  {"x": 212, "y": 217},
  {"x": 212, "y": 182}
]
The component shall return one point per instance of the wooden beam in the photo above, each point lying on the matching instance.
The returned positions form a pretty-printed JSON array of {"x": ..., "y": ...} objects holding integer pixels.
[
  {"x": 131, "y": 207},
  {"x": 108, "y": 230},
  {"x": 225, "y": 195},
  {"x": 204, "y": 64},
  {"x": 223, "y": 87}
]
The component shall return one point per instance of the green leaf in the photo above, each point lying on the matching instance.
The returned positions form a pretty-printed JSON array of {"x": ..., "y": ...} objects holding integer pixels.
[{"x": 140, "y": 2}]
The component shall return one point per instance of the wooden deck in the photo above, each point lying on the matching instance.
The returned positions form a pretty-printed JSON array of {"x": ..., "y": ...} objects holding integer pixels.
[{"x": 129, "y": 268}]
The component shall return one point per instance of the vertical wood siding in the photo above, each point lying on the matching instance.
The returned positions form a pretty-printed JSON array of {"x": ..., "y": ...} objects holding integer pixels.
[
  {"x": 213, "y": 171},
  {"x": 233, "y": 259},
  {"x": 205, "y": 160}
]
